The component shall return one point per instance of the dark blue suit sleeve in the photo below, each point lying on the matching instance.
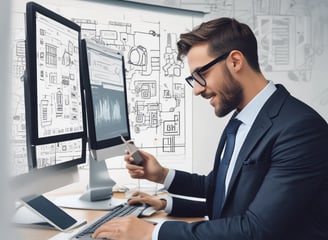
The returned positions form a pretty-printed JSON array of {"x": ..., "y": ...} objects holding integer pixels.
[
  {"x": 192, "y": 185},
  {"x": 209, "y": 230},
  {"x": 188, "y": 208}
]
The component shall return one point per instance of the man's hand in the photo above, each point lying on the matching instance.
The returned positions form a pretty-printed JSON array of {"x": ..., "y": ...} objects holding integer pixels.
[
  {"x": 141, "y": 197},
  {"x": 150, "y": 169},
  {"x": 125, "y": 228}
]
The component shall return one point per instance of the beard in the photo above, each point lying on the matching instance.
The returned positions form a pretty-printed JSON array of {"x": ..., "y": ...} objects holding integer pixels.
[{"x": 231, "y": 95}]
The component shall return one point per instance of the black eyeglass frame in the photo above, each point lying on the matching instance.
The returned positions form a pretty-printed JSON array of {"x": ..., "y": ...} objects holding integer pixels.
[{"x": 198, "y": 71}]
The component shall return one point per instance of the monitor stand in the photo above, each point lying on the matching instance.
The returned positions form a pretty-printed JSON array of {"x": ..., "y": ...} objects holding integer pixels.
[{"x": 99, "y": 194}]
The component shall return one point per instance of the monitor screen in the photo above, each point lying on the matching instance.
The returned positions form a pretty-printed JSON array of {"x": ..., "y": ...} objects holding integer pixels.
[
  {"x": 53, "y": 90},
  {"x": 106, "y": 100},
  {"x": 54, "y": 103},
  {"x": 58, "y": 92}
]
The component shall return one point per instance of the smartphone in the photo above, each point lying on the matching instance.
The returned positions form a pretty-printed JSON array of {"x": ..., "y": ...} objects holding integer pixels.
[
  {"x": 133, "y": 150},
  {"x": 51, "y": 213}
]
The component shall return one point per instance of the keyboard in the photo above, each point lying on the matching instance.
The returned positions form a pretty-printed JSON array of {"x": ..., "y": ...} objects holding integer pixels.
[{"x": 119, "y": 211}]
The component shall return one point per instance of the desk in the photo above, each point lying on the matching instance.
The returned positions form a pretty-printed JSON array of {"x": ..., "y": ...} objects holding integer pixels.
[{"x": 89, "y": 215}]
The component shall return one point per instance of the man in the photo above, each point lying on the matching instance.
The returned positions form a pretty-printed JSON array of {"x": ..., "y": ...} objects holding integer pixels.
[{"x": 276, "y": 185}]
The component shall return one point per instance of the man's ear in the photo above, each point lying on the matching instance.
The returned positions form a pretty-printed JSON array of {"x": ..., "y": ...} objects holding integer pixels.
[{"x": 236, "y": 61}]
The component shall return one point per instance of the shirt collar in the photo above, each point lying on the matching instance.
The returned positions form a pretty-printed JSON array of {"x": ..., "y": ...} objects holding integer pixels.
[{"x": 248, "y": 114}]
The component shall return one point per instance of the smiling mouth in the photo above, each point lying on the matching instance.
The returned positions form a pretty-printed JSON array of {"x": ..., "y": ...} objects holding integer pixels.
[
  {"x": 211, "y": 97},
  {"x": 207, "y": 97}
]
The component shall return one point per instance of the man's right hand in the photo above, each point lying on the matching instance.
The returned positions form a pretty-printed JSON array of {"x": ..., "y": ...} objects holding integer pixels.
[{"x": 150, "y": 169}]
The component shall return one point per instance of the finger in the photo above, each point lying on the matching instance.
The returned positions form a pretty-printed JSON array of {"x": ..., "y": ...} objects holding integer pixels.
[
  {"x": 136, "y": 174},
  {"x": 102, "y": 234},
  {"x": 105, "y": 231},
  {"x": 143, "y": 154},
  {"x": 134, "y": 168},
  {"x": 127, "y": 155},
  {"x": 136, "y": 194},
  {"x": 140, "y": 194},
  {"x": 110, "y": 228},
  {"x": 128, "y": 159},
  {"x": 131, "y": 166},
  {"x": 145, "y": 200},
  {"x": 132, "y": 201},
  {"x": 143, "y": 194}
]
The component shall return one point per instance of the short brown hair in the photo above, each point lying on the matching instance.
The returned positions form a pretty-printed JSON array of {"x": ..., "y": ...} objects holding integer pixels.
[{"x": 223, "y": 35}]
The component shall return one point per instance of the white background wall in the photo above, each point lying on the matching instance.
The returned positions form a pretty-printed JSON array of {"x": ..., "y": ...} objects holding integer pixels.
[
  {"x": 292, "y": 37},
  {"x": 293, "y": 49},
  {"x": 5, "y": 206}
]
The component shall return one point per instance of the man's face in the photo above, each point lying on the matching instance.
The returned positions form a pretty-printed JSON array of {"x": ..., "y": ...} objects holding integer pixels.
[{"x": 222, "y": 89}]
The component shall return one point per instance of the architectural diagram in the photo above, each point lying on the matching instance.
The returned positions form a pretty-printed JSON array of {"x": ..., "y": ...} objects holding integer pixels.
[
  {"x": 155, "y": 79},
  {"x": 292, "y": 41}
]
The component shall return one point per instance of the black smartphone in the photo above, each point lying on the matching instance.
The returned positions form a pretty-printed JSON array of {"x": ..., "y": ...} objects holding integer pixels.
[{"x": 50, "y": 212}]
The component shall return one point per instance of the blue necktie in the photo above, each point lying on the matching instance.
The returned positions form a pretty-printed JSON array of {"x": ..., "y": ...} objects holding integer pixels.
[{"x": 219, "y": 195}]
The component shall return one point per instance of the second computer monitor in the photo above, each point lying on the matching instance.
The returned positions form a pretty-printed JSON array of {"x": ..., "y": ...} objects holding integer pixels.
[{"x": 106, "y": 100}]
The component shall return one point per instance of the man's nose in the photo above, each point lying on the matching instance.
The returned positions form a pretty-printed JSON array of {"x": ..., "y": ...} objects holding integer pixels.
[{"x": 198, "y": 89}]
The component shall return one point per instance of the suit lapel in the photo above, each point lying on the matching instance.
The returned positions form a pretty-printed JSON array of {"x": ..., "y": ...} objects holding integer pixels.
[
  {"x": 263, "y": 123},
  {"x": 254, "y": 135}
]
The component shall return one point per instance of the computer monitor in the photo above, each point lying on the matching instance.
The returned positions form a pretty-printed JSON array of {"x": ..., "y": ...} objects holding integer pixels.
[
  {"x": 104, "y": 81},
  {"x": 106, "y": 99},
  {"x": 54, "y": 103}
]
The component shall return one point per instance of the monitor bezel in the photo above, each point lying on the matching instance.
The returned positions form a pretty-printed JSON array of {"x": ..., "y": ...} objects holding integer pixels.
[
  {"x": 31, "y": 71},
  {"x": 30, "y": 91},
  {"x": 95, "y": 144}
]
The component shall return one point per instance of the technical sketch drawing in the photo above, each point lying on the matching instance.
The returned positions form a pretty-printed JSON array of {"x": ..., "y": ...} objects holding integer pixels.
[
  {"x": 156, "y": 90},
  {"x": 292, "y": 41},
  {"x": 152, "y": 103}
]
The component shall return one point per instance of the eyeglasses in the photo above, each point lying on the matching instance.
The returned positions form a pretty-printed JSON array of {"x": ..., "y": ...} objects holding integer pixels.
[{"x": 197, "y": 74}]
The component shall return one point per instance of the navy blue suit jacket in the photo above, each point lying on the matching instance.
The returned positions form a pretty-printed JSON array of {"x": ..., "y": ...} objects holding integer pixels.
[{"x": 278, "y": 189}]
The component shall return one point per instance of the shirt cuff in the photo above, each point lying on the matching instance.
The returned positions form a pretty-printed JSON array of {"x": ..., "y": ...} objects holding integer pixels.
[
  {"x": 169, "y": 204},
  {"x": 169, "y": 178},
  {"x": 167, "y": 183}
]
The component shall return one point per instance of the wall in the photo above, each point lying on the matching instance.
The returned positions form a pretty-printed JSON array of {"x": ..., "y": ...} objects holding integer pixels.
[
  {"x": 292, "y": 37},
  {"x": 5, "y": 200},
  {"x": 293, "y": 49},
  {"x": 159, "y": 102}
]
